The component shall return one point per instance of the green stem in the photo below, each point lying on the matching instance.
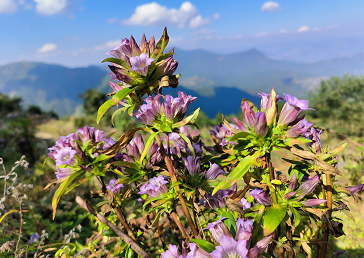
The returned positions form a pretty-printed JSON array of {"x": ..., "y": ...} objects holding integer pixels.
[
  {"x": 174, "y": 179},
  {"x": 329, "y": 206}
]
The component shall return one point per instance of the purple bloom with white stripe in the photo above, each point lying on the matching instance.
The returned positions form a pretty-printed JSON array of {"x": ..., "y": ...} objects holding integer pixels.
[
  {"x": 291, "y": 109},
  {"x": 261, "y": 197},
  {"x": 155, "y": 187},
  {"x": 114, "y": 187},
  {"x": 140, "y": 63}
]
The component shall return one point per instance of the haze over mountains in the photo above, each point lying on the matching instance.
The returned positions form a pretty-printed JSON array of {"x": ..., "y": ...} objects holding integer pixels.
[{"x": 204, "y": 74}]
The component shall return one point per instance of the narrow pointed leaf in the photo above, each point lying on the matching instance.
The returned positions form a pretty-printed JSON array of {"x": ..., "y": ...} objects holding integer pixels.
[
  {"x": 204, "y": 245},
  {"x": 297, "y": 217},
  {"x": 62, "y": 188},
  {"x": 147, "y": 146},
  {"x": 189, "y": 144},
  {"x": 239, "y": 171},
  {"x": 338, "y": 149},
  {"x": 273, "y": 217},
  {"x": 115, "y": 61}
]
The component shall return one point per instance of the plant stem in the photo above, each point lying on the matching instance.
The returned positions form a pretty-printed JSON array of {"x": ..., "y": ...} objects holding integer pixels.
[
  {"x": 114, "y": 228},
  {"x": 179, "y": 224},
  {"x": 123, "y": 222},
  {"x": 329, "y": 206},
  {"x": 174, "y": 179},
  {"x": 277, "y": 233}
]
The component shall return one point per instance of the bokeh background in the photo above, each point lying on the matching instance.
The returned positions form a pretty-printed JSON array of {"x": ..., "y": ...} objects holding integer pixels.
[{"x": 52, "y": 81}]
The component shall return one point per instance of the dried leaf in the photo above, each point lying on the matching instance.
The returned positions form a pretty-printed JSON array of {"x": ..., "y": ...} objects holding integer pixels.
[
  {"x": 50, "y": 184},
  {"x": 227, "y": 124},
  {"x": 306, "y": 155},
  {"x": 106, "y": 209},
  {"x": 121, "y": 143},
  {"x": 235, "y": 206}
]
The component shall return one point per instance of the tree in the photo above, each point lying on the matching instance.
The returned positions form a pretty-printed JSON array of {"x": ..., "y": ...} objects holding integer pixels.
[
  {"x": 92, "y": 100},
  {"x": 339, "y": 104}
]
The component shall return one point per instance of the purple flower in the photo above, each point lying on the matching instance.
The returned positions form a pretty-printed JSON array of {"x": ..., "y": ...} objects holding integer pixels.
[
  {"x": 263, "y": 244},
  {"x": 174, "y": 108},
  {"x": 355, "y": 189},
  {"x": 314, "y": 136},
  {"x": 167, "y": 66},
  {"x": 155, "y": 187},
  {"x": 172, "y": 252},
  {"x": 308, "y": 187},
  {"x": 195, "y": 252},
  {"x": 66, "y": 156},
  {"x": 313, "y": 202},
  {"x": 289, "y": 195},
  {"x": 291, "y": 109},
  {"x": 245, "y": 229},
  {"x": 266, "y": 101},
  {"x": 240, "y": 124},
  {"x": 221, "y": 132},
  {"x": 293, "y": 182},
  {"x": 218, "y": 199},
  {"x": 192, "y": 165},
  {"x": 121, "y": 51},
  {"x": 218, "y": 229},
  {"x": 230, "y": 248},
  {"x": 64, "y": 173},
  {"x": 214, "y": 171},
  {"x": 245, "y": 203},
  {"x": 140, "y": 63},
  {"x": 34, "y": 237},
  {"x": 298, "y": 129},
  {"x": 261, "y": 197},
  {"x": 261, "y": 127},
  {"x": 338, "y": 253},
  {"x": 135, "y": 147},
  {"x": 113, "y": 186},
  {"x": 248, "y": 115}
]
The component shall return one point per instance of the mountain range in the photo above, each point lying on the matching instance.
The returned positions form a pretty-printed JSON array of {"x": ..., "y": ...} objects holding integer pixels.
[{"x": 219, "y": 81}]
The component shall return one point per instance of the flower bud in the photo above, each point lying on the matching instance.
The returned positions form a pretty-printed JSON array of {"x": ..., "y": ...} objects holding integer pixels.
[
  {"x": 313, "y": 202},
  {"x": 261, "y": 197},
  {"x": 289, "y": 195},
  {"x": 263, "y": 244},
  {"x": 240, "y": 124},
  {"x": 293, "y": 182},
  {"x": 298, "y": 129},
  {"x": 261, "y": 127},
  {"x": 219, "y": 229},
  {"x": 248, "y": 115},
  {"x": 355, "y": 189},
  {"x": 272, "y": 111},
  {"x": 307, "y": 187}
]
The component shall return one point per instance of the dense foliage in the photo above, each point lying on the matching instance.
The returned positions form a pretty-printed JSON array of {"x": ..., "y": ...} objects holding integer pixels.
[{"x": 172, "y": 194}]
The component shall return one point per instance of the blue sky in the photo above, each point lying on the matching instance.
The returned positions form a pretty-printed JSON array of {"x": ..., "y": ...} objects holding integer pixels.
[{"x": 78, "y": 32}]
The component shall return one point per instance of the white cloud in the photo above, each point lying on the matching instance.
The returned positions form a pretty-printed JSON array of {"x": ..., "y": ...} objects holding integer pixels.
[
  {"x": 271, "y": 7},
  {"x": 108, "y": 45},
  {"x": 303, "y": 29},
  {"x": 48, "y": 48},
  {"x": 216, "y": 16},
  {"x": 50, "y": 7},
  {"x": 112, "y": 20},
  {"x": 7, "y": 6},
  {"x": 198, "y": 21},
  {"x": 156, "y": 14}
]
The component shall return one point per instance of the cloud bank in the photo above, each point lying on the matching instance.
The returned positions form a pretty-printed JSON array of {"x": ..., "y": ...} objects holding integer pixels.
[
  {"x": 271, "y": 7},
  {"x": 155, "y": 14}
]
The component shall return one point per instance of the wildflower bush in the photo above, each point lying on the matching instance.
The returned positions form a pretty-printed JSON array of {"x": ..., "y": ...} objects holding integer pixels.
[{"x": 169, "y": 195}]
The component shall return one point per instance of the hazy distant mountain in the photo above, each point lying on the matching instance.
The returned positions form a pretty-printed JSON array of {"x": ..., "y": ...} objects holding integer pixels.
[{"x": 57, "y": 88}]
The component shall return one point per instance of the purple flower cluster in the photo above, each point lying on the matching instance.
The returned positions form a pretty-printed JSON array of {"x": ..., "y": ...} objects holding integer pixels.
[
  {"x": 221, "y": 132},
  {"x": 314, "y": 136},
  {"x": 67, "y": 151},
  {"x": 195, "y": 252},
  {"x": 173, "y": 109},
  {"x": 238, "y": 246},
  {"x": 218, "y": 200},
  {"x": 155, "y": 187},
  {"x": 261, "y": 197},
  {"x": 137, "y": 60}
]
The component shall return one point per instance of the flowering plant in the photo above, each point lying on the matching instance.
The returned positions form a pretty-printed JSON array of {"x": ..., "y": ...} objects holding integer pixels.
[{"x": 225, "y": 200}]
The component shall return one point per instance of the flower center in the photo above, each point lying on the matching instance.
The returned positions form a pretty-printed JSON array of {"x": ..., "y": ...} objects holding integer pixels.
[{"x": 231, "y": 254}]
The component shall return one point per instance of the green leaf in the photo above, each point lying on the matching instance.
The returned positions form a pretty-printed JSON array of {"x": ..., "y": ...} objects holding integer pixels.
[
  {"x": 118, "y": 112},
  {"x": 115, "y": 61},
  {"x": 297, "y": 217},
  {"x": 230, "y": 223},
  {"x": 273, "y": 217},
  {"x": 57, "y": 195},
  {"x": 241, "y": 135},
  {"x": 238, "y": 172},
  {"x": 101, "y": 157},
  {"x": 204, "y": 245},
  {"x": 338, "y": 149},
  {"x": 157, "y": 217},
  {"x": 111, "y": 102},
  {"x": 147, "y": 146},
  {"x": 79, "y": 182},
  {"x": 189, "y": 144}
]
